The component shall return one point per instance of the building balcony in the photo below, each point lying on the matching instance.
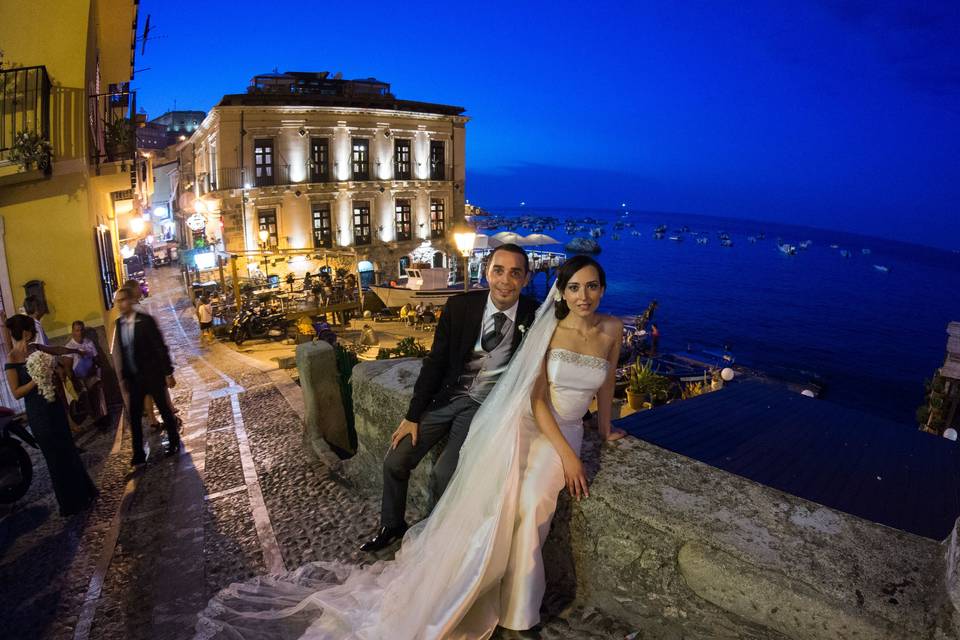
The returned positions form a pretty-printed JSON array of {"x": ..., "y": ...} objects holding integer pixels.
[
  {"x": 286, "y": 175},
  {"x": 25, "y": 117},
  {"x": 112, "y": 129}
]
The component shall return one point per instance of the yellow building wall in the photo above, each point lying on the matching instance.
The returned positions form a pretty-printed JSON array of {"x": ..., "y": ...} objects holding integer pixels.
[
  {"x": 47, "y": 32},
  {"x": 48, "y": 237},
  {"x": 49, "y": 223}
]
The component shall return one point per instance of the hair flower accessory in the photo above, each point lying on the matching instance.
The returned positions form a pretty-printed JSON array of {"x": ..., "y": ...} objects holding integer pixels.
[{"x": 557, "y": 297}]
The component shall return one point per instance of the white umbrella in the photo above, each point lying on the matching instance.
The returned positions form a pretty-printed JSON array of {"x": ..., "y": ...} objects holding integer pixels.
[
  {"x": 537, "y": 239},
  {"x": 483, "y": 241},
  {"x": 508, "y": 237}
]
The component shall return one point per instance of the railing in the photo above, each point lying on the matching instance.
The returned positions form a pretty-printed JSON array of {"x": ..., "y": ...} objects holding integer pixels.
[
  {"x": 279, "y": 175},
  {"x": 112, "y": 133},
  {"x": 24, "y": 104}
]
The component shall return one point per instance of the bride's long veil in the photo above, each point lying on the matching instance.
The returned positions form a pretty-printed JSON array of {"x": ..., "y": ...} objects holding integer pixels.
[{"x": 445, "y": 575}]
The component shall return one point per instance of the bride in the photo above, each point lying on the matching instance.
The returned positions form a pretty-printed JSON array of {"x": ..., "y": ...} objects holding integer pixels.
[{"x": 476, "y": 562}]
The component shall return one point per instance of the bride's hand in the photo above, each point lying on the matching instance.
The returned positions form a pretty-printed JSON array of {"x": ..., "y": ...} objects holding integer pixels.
[
  {"x": 612, "y": 434},
  {"x": 575, "y": 476}
]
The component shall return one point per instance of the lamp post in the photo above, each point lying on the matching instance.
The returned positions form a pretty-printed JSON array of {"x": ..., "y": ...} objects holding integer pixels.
[
  {"x": 464, "y": 240},
  {"x": 264, "y": 236}
]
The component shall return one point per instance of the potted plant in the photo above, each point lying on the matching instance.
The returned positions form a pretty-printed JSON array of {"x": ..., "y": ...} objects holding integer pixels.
[
  {"x": 118, "y": 138},
  {"x": 646, "y": 387},
  {"x": 30, "y": 148}
]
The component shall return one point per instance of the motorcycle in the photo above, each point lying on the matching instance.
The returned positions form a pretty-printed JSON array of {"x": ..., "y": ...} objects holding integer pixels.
[
  {"x": 16, "y": 469},
  {"x": 255, "y": 322}
]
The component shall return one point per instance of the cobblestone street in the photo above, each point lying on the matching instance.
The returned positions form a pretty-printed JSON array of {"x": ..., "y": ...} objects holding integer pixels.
[{"x": 243, "y": 498}]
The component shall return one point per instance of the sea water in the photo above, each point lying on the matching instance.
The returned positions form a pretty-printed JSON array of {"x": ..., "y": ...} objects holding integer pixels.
[{"x": 872, "y": 337}]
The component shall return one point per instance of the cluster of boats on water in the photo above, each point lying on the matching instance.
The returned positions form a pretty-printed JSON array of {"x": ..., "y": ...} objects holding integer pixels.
[{"x": 592, "y": 230}]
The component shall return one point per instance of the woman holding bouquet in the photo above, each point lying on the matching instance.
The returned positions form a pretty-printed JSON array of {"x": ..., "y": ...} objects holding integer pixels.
[{"x": 32, "y": 375}]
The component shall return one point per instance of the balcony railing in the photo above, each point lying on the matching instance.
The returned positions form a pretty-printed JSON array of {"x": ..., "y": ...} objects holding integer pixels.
[
  {"x": 112, "y": 133},
  {"x": 24, "y": 105},
  {"x": 277, "y": 176}
]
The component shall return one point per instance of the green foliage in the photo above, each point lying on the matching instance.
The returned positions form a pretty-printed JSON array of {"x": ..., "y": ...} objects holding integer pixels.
[
  {"x": 407, "y": 348},
  {"x": 346, "y": 361},
  {"x": 645, "y": 381},
  {"x": 29, "y": 149},
  {"x": 119, "y": 133}
]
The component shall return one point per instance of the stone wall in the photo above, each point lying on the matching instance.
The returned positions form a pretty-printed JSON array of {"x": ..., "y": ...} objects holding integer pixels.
[{"x": 684, "y": 550}]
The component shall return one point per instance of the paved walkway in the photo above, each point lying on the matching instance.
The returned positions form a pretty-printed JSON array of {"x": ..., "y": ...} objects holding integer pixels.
[{"x": 243, "y": 498}]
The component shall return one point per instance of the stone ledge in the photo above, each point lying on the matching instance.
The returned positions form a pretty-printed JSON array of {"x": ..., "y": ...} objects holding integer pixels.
[{"x": 684, "y": 550}]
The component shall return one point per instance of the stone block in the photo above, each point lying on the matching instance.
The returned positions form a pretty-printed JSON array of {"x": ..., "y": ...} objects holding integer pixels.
[
  {"x": 680, "y": 549},
  {"x": 325, "y": 423},
  {"x": 381, "y": 392}
]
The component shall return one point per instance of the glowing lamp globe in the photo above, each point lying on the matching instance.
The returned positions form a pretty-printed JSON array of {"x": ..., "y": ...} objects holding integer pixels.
[
  {"x": 136, "y": 225},
  {"x": 464, "y": 241},
  {"x": 264, "y": 234},
  {"x": 727, "y": 374}
]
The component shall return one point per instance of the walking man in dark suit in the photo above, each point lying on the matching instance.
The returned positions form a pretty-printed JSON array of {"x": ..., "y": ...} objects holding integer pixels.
[
  {"x": 475, "y": 338},
  {"x": 145, "y": 369}
]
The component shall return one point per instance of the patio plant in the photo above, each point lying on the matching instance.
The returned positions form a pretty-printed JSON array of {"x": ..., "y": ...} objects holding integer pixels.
[{"x": 30, "y": 148}]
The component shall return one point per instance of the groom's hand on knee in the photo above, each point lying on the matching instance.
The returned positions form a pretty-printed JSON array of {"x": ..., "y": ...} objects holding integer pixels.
[{"x": 405, "y": 429}]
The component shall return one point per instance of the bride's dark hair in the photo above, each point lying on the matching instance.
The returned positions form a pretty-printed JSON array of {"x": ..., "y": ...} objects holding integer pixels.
[{"x": 566, "y": 271}]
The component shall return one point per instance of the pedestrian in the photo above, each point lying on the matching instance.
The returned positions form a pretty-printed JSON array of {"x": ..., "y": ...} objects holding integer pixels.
[
  {"x": 33, "y": 308},
  {"x": 86, "y": 374},
  {"x": 205, "y": 315},
  {"x": 36, "y": 377},
  {"x": 145, "y": 367}
]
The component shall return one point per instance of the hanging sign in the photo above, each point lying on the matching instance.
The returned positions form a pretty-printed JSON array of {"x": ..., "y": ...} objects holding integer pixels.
[{"x": 197, "y": 221}]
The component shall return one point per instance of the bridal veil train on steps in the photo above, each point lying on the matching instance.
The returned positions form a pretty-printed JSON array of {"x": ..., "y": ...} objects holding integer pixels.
[{"x": 444, "y": 582}]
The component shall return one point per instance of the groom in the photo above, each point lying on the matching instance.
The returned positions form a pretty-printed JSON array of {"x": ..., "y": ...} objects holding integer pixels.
[{"x": 476, "y": 336}]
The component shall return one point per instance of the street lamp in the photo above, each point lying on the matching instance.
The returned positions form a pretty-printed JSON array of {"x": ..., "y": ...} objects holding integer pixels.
[
  {"x": 464, "y": 240},
  {"x": 264, "y": 236}
]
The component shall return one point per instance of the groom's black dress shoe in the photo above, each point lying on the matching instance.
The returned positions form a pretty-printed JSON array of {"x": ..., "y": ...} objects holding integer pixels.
[{"x": 384, "y": 537}]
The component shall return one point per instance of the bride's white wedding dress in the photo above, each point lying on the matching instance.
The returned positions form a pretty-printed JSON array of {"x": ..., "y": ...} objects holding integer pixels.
[{"x": 476, "y": 562}]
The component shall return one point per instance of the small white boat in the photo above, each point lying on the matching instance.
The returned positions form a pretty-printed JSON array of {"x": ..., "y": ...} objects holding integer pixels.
[
  {"x": 844, "y": 253},
  {"x": 881, "y": 268},
  {"x": 702, "y": 240},
  {"x": 420, "y": 285},
  {"x": 834, "y": 246},
  {"x": 806, "y": 244},
  {"x": 677, "y": 238},
  {"x": 787, "y": 249},
  {"x": 865, "y": 252},
  {"x": 725, "y": 242},
  {"x": 635, "y": 233}
]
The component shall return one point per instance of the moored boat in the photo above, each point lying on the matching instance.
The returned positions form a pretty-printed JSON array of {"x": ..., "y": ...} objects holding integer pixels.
[{"x": 420, "y": 285}]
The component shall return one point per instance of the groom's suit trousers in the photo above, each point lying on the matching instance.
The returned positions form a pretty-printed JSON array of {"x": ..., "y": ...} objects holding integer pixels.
[{"x": 451, "y": 420}]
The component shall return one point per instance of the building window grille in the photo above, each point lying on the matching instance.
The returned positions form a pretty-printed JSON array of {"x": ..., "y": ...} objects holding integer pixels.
[
  {"x": 263, "y": 162},
  {"x": 319, "y": 160},
  {"x": 322, "y": 228},
  {"x": 361, "y": 159},
  {"x": 436, "y": 160},
  {"x": 401, "y": 160},
  {"x": 361, "y": 223},
  {"x": 437, "y": 218},
  {"x": 267, "y": 219},
  {"x": 402, "y": 219}
]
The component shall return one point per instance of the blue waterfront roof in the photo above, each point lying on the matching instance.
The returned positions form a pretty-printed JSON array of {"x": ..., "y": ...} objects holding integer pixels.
[{"x": 880, "y": 470}]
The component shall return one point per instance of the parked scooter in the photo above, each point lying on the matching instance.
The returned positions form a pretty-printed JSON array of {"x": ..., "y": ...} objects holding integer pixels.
[
  {"x": 16, "y": 469},
  {"x": 256, "y": 322}
]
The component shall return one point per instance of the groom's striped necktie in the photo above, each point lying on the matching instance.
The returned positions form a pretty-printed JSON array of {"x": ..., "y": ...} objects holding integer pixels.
[{"x": 493, "y": 336}]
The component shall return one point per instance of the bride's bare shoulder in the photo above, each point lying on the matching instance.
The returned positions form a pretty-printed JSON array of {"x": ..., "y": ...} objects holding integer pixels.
[{"x": 611, "y": 325}]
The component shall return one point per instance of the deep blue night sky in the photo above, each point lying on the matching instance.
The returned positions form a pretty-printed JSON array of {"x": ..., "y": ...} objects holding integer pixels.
[{"x": 840, "y": 115}]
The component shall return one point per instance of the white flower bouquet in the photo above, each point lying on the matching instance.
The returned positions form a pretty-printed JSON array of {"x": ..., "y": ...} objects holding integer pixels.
[{"x": 40, "y": 366}]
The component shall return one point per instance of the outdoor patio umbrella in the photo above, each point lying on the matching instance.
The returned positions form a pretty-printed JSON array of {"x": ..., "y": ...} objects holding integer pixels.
[
  {"x": 483, "y": 241},
  {"x": 537, "y": 239},
  {"x": 508, "y": 237}
]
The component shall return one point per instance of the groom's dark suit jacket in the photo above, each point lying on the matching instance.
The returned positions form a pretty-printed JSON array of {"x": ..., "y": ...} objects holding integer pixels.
[{"x": 453, "y": 343}]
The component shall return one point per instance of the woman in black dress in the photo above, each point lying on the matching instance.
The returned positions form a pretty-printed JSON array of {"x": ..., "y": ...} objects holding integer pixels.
[{"x": 74, "y": 489}]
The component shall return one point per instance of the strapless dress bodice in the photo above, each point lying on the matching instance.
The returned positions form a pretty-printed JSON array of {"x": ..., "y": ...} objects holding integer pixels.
[{"x": 574, "y": 380}]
